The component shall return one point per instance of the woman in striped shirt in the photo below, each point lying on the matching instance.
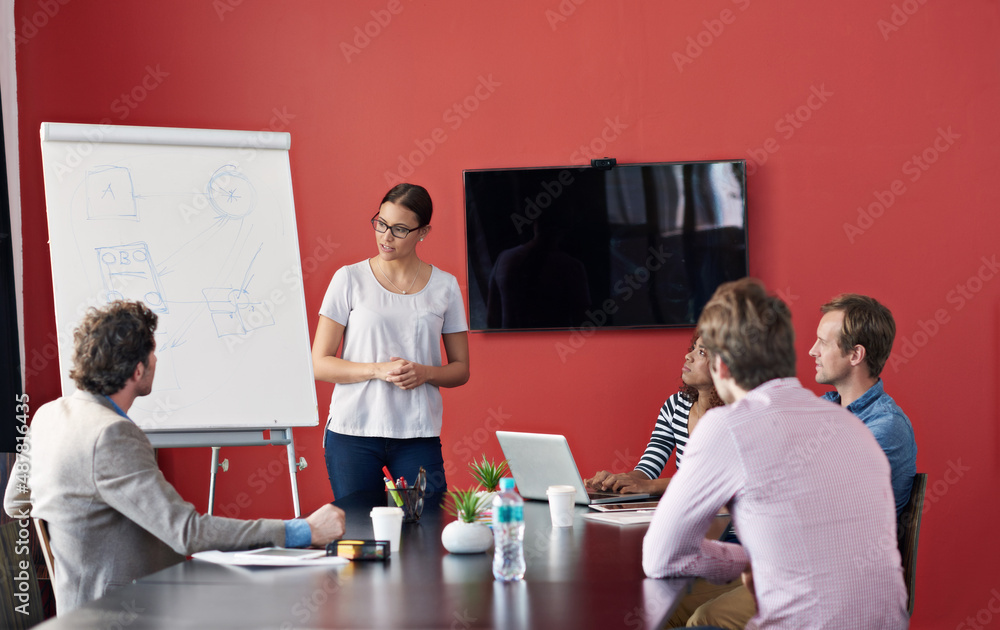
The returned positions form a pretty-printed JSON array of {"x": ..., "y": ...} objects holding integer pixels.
[{"x": 677, "y": 419}]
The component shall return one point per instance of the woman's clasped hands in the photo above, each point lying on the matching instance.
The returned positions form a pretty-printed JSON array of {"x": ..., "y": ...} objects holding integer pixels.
[{"x": 405, "y": 374}]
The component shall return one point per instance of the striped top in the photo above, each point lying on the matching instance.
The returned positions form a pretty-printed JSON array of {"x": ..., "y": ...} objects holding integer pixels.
[{"x": 670, "y": 432}]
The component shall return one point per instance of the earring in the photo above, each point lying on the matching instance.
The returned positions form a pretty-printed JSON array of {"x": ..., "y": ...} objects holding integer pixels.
[{"x": 421, "y": 240}]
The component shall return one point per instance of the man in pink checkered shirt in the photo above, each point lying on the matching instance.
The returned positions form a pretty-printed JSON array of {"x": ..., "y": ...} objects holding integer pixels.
[{"x": 806, "y": 483}]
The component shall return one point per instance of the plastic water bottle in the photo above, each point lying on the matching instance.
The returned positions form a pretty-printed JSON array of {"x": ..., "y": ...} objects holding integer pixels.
[{"x": 508, "y": 533}]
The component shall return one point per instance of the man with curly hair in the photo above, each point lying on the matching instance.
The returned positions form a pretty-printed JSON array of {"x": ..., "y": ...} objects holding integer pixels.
[{"x": 92, "y": 475}]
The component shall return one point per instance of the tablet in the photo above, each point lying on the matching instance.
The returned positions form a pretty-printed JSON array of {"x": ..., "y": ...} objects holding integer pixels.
[
  {"x": 643, "y": 506},
  {"x": 279, "y": 555}
]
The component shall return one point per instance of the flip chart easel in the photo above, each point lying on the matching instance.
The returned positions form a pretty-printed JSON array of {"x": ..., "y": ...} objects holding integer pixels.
[{"x": 200, "y": 225}]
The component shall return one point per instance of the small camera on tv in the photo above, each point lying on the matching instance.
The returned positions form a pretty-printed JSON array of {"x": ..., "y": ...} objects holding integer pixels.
[{"x": 605, "y": 164}]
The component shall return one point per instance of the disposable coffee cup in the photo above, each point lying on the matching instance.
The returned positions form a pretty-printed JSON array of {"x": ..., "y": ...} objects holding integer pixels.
[
  {"x": 561, "y": 502},
  {"x": 387, "y": 523}
]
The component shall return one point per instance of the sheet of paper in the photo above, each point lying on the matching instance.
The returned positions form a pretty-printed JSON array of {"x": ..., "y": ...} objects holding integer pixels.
[
  {"x": 240, "y": 558},
  {"x": 625, "y": 507},
  {"x": 622, "y": 518}
]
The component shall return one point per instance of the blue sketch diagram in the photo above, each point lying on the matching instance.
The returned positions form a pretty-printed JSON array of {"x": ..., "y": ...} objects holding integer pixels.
[
  {"x": 128, "y": 271},
  {"x": 205, "y": 236},
  {"x": 129, "y": 274},
  {"x": 110, "y": 194},
  {"x": 234, "y": 312},
  {"x": 231, "y": 193}
]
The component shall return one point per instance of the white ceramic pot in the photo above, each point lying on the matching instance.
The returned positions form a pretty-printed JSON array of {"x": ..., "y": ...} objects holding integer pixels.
[{"x": 460, "y": 537}]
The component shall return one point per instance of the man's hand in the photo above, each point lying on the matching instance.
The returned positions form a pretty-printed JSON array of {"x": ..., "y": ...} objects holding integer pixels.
[{"x": 326, "y": 525}]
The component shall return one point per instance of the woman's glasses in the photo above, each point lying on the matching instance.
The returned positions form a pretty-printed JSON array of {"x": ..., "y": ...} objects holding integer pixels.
[{"x": 398, "y": 231}]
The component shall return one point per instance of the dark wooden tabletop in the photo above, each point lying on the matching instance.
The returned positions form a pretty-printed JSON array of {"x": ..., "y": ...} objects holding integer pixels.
[{"x": 585, "y": 576}]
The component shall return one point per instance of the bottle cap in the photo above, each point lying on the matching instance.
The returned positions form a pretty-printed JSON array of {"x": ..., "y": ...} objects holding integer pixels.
[{"x": 506, "y": 483}]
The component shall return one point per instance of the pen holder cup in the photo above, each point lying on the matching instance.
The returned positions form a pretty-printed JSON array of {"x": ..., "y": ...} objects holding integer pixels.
[{"x": 411, "y": 500}]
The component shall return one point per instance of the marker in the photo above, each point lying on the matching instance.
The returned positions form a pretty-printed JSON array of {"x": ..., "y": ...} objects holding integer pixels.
[
  {"x": 395, "y": 495},
  {"x": 391, "y": 486}
]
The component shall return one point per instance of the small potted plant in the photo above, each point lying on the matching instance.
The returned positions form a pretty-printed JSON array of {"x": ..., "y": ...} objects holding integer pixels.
[
  {"x": 488, "y": 474},
  {"x": 467, "y": 534}
]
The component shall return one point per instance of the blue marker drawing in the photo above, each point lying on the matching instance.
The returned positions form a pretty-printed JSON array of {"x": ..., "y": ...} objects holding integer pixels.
[
  {"x": 110, "y": 194},
  {"x": 231, "y": 193},
  {"x": 234, "y": 312},
  {"x": 129, "y": 274}
]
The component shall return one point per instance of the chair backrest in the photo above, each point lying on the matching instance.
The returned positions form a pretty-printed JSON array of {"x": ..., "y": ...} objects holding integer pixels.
[
  {"x": 908, "y": 534},
  {"x": 42, "y": 529}
]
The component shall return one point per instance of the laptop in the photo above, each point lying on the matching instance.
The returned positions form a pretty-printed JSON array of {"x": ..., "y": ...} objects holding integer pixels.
[{"x": 540, "y": 460}]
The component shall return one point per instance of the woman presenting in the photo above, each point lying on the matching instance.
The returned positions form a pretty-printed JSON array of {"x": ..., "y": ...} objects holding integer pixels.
[{"x": 390, "y": 313}]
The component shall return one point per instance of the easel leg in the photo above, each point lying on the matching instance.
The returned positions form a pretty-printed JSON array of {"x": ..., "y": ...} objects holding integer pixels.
[
  {"x": 293, "y": 471},
  {"x": 211, "y": 487}
]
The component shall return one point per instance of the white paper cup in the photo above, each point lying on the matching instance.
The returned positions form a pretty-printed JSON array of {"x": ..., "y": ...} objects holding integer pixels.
[
  {"x": 387, "y": 523},
  {"x": 561, "y": 502}
]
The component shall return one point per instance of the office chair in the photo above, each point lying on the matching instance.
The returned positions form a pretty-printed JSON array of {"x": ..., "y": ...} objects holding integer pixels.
[
  {"x": 908, "y": 533},
  {"x": 42, "y": 529}
]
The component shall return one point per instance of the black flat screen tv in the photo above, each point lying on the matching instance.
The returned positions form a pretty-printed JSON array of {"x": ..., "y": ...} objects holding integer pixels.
[{"x": 633, "y": 246}]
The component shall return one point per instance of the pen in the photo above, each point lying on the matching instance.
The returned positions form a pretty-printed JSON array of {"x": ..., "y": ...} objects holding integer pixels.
[
  {"x": 401, "y": 485},
  {"x": 395, "y": 495}
]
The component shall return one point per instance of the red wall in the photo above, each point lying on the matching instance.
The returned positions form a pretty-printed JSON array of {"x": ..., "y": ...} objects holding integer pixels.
[{"x": 832, "y": 106}]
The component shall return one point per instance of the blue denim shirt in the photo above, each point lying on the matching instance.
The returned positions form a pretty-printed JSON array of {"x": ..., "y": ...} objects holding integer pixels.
[{"x": 894, "y": 433}]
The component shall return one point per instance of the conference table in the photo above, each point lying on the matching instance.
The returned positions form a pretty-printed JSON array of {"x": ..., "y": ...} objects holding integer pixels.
[{"x": 585, "y": 576}]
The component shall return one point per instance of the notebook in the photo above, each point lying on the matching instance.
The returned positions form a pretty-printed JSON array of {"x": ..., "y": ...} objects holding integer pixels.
[{"x": 540, "y": 460}]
